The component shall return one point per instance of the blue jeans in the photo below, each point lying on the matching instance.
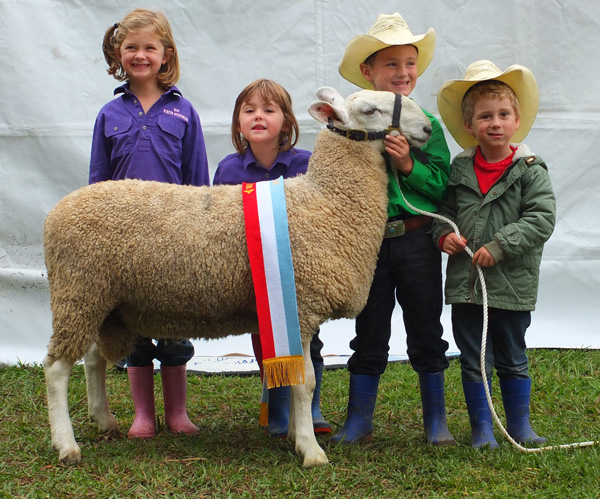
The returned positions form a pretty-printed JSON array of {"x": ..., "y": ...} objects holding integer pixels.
[
  {"x": 171, "y": 352},
  {"x": 409, "y": 269},
  {"x": 505, "y": 347}
]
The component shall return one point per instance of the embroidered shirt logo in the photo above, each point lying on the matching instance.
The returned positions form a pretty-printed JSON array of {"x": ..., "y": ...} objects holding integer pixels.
[{"x": 175, "y": 112}]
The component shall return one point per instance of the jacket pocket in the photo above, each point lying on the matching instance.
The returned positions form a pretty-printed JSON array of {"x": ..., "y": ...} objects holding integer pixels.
[
  {"x": 173, "y": 126},
  {"x": 523, "y": 284},
  {"x": 116, "y": 131},
  {"x": 170, "y": 140}
]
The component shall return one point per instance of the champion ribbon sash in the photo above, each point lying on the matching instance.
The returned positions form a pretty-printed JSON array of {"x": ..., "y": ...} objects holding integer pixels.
[{"x": 268, "y": 241}]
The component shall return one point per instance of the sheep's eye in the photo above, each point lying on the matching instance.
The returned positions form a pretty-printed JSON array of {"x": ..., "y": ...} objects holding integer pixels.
[{"x": 370, "y": 111}]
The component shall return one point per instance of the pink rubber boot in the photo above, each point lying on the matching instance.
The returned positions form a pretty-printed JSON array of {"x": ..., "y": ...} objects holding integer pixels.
[
  {"x": 141, "y": 382},
  {"x": 174, "y": 383}
]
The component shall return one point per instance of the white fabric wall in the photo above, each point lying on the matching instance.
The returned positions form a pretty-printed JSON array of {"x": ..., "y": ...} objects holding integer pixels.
[{"x": 53, "y": 82}]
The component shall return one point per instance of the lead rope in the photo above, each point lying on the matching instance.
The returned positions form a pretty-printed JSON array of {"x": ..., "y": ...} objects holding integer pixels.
[{"x": 484, "y": 335}]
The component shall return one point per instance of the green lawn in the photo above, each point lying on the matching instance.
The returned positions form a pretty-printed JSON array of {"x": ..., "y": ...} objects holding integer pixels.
[{"x": 232, "y": 457}]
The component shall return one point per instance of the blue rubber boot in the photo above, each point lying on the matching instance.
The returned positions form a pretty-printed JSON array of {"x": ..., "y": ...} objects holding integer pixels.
[
  {"x": 361, "y": 406},
  {"x": 516, "y": 395},
  {"x": 320, "y": 425},
  {"x": 482, "y": 426},
  {"x": 434, "y": 409},
  {"x": 279, "y": 411}
]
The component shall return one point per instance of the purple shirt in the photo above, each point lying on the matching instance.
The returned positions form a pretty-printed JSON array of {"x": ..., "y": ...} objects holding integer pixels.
[
  {"x": 237, "y": 168},
  {"x": 165, "y": 144}
]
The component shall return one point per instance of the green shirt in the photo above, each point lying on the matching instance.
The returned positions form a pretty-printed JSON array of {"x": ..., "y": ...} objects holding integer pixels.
[{"x": 424, "y": 188}]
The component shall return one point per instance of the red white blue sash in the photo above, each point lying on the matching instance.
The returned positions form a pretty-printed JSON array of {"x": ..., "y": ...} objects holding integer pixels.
[{"x": 267, "y": 237}]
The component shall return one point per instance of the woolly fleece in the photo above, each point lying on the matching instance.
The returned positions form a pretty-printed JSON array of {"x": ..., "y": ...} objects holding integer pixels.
[{"x": 129, "y": 257}]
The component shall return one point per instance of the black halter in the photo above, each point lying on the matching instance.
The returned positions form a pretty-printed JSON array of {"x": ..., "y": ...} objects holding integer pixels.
[{"x": 363, "y": 135}]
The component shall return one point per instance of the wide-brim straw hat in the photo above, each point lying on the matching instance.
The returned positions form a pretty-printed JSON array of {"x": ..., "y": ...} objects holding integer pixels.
[
  {"x": 517, "y": 77},
  {"x": 388, "y": 30}
]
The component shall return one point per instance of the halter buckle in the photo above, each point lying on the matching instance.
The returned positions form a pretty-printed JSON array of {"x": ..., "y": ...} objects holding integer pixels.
[
  {"x": 391, "y": 129},
  {"x": 357, "y": 135}
]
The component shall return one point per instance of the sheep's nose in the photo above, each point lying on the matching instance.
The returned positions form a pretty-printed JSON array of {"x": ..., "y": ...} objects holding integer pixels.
[{"x": 427, "y": 130}]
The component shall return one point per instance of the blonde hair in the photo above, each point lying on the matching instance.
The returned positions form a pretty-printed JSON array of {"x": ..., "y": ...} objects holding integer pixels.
[
  {"x": 267, "y": 90},
  {"x": 138, "y": 20},
  {"x": 493, "y": 89}
]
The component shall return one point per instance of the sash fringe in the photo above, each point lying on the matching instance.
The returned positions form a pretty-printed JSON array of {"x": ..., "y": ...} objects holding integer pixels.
[
  {"x": 284, "y": 371},
  {"x": 263, "y": 419}
]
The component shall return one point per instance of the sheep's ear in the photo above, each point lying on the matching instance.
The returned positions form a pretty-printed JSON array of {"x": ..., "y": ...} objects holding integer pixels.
[
  {"x": 323, "y": 111},
  {"x": 331, "y": 95}
]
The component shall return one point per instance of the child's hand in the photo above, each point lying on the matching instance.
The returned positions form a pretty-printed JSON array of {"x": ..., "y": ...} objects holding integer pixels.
[
  {"x": 453, "y": 244},
  {"x": 397, "y": 147},
  {"x": 484, "y": 258}
]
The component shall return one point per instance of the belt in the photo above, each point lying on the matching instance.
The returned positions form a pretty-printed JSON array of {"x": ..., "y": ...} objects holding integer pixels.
[{"x": 401, "y": 227}]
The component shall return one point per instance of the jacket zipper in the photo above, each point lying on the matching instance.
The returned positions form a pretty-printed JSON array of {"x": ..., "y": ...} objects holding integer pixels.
[{"x": 473, "y": 272}]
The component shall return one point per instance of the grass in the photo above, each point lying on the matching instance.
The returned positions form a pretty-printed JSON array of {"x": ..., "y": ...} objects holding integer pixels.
[{"x": 232, "y": 457}]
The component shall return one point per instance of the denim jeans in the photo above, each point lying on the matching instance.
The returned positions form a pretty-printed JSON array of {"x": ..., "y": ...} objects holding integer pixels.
[
  {"x": 505, "y": 347},
  {"x": 171, "y": 352},
  {"x": 408, "y": 270}
]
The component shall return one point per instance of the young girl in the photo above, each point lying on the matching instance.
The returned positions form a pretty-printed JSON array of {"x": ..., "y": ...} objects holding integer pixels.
[
  {"x": 264, "y": 132},
  {"x": 150, "y": 132}
]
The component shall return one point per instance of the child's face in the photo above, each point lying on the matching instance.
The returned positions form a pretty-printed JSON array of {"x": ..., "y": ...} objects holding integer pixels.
[
  {"x": 261, "y": 122},
  {"x": 394, "y": 69},
  {"x": 494, "y": 124},
  {"x": 142, "y": 54}
]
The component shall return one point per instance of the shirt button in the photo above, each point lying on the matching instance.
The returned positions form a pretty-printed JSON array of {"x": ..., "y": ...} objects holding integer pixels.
[
  {"x": 116, "y": 128},
  {"x": 135, "y": 101},
  {"x": 140, "y": 113},
  {"x": 144, "y": 127}
]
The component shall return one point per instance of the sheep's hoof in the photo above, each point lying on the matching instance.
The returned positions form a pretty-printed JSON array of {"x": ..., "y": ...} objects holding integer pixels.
[
  {"x": 70, "y": 456},
  {"x": 105, "y": 423},
  {"x": 318, "y": 459}
]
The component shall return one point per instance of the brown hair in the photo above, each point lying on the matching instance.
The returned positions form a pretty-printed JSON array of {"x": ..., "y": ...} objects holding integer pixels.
[
  {"x": 267, "y": 90},
  {"x": 137, "y": 20},
  {"x": 493, "y": 89}
]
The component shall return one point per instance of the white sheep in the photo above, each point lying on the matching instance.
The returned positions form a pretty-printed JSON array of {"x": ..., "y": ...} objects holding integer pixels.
[{"x": 130, "y": 258}]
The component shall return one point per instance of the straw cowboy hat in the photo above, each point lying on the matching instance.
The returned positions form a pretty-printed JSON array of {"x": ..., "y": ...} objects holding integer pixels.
[
  {"x": 388, "y": 30},
  {"x": 519, "y": 78}
]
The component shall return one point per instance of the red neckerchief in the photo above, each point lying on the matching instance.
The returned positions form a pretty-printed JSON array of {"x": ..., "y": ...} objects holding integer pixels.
[{"x": 489, "y": 173}]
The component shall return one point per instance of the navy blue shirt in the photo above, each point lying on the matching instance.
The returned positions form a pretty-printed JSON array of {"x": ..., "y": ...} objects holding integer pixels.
[
  {"x": 237, "y": 168},
  {"x": 165, "y": 144}
]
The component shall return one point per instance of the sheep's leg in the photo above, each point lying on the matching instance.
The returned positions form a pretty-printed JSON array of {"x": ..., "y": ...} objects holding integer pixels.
[
  {"x": 95, "y": 378},
  {"x": 57, "y": 372},
  {"x": 301, "y": 429}
]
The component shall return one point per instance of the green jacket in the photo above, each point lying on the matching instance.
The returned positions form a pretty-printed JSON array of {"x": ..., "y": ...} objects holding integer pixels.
[
  {"x": 513, "y": 221},
  {"x": 424, "y": 188}
]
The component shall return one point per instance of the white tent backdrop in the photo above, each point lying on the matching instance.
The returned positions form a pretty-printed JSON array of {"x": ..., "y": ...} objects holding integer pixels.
[{"x": 54, "y": 82}]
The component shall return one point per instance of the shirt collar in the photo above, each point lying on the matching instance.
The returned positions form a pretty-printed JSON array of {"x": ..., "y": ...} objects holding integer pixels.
[
  {"x": 124, "y": 89},
  {"x": 284, "y": 158}
]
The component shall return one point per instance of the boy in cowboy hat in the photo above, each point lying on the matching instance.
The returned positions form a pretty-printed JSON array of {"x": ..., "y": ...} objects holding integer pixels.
[
  {"x": 501, "y": 198},
  {"x": 390, "y": 58}
]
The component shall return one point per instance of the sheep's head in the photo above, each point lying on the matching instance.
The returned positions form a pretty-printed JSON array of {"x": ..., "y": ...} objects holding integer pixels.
[{"x": 371, "y": 111}]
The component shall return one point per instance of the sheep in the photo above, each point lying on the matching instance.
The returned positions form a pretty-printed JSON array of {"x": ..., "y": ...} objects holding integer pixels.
[{"x": 130, "y": 258}]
